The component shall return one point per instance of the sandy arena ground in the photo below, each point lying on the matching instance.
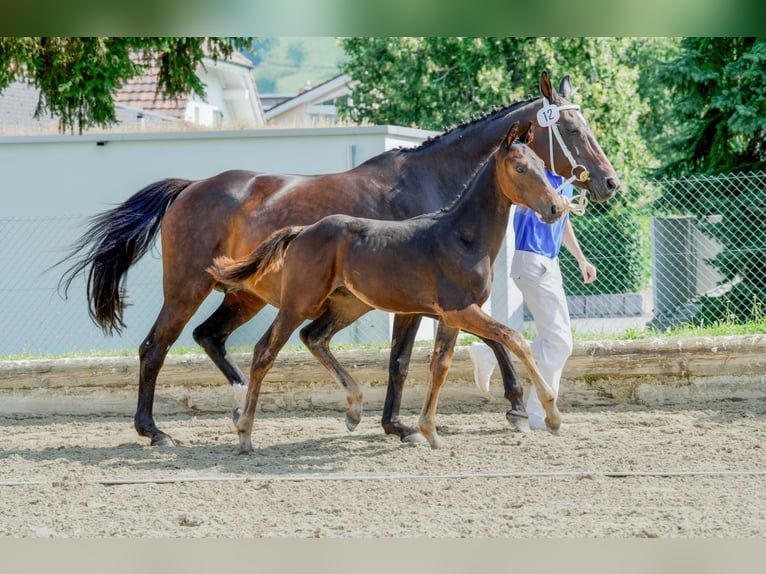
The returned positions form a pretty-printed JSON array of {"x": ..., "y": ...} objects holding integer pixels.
[{"x": 618, "y": 472}]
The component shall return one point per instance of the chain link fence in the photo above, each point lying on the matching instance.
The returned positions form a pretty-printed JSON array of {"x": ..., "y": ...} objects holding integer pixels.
[{"x": 692, "y": 255}]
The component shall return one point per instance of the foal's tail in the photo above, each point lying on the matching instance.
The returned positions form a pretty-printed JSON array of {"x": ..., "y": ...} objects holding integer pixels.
[
  {"x": 115, "y": 240},
  {"x": 267, "y": 257}
]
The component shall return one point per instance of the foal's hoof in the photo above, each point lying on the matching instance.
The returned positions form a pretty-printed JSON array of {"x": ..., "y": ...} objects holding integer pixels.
[
  {"x": 414, "y": 438},
  {"x": 351, "y": 424},
  {"x": 518, "y": 421},
  {"x": 353, "y": 414},
  {"x": 162, "y": 440},
  {"x": 437, "y": 442}
]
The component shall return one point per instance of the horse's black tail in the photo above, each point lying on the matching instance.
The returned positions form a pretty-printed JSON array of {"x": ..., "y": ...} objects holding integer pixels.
[
  {"x": 114, "y": 241},
  {"x": 268, "y": 256}
]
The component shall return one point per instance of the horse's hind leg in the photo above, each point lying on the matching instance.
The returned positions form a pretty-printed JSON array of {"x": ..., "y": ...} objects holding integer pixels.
[
  {"x": 340, "y": 313},
  {"x": 444, "y": 347},
  {"x": 514, "y": 392},
  {"x": 152, "y": 352},
  {"x": 402, "y": 341},
  {"x": 235, "y": 310}
]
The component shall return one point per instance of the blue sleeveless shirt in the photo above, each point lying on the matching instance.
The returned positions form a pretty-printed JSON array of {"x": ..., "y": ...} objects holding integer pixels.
[{"x": 534, "y": 235}]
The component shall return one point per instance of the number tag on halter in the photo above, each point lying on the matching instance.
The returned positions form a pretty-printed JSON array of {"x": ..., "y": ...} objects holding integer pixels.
[{"x": 547, "y": 116}]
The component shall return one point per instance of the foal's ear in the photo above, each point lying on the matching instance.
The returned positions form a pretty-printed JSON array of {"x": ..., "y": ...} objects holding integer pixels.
[
  {"x": 546, "y": 89},
  {"x": 512, "y": 135},
  {"x": 528, "y": 135},
  {"x": 565, "y": 89}
]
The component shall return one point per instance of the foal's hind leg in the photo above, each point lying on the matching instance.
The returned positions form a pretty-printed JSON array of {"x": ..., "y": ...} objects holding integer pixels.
[
  {"x": 340, "y": 313},
  {"x": 444, "y": 348},
  {"x": 514, "y": 392},
  {"x": 264, "y": 354}
]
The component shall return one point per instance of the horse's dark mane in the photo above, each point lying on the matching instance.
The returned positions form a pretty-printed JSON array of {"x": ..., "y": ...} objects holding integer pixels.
[{"x": 463, "y": 125}]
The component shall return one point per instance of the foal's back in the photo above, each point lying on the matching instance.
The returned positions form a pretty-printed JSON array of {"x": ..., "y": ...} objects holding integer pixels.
[{"x": 395, "y": 266}]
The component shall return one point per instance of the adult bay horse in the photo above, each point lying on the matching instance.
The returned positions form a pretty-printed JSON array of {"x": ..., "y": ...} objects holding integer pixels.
[
  {"x": 439, "y": 264},
  {"x": 234, "y": 211}
]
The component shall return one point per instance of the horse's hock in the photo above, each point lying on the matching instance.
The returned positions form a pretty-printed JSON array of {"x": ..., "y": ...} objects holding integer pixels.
[{"x": 652, "y": 372}]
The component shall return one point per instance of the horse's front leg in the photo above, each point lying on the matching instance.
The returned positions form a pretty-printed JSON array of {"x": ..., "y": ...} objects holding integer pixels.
[
  {"x": 402, "y": 341},
  {"x": 514, "y": 392},
  {"x": 444, "y": 348}
]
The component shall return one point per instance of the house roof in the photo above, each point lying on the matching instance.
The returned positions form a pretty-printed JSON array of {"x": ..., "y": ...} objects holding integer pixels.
[
  {"x": 135, "y": 104},
  {"x": 141, "y": 92},
  {"x": 314, "y": 95}
]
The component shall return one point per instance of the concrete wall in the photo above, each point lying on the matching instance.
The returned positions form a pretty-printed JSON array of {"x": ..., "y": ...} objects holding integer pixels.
[{"x": 49, "y": 185}]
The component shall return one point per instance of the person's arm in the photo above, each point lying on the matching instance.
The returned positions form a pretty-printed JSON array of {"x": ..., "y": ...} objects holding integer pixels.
[{"x": 569, "y": 240}]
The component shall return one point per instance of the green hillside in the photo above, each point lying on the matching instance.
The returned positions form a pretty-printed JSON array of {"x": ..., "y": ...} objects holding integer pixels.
[{"x": 287, "y": 64}]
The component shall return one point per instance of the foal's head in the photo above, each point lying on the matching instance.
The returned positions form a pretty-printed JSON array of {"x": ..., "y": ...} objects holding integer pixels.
[{"x": 521, "y": 176}]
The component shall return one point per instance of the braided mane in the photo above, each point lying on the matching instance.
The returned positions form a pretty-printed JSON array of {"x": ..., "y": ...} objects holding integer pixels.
[{"x": 463, "y": 125}]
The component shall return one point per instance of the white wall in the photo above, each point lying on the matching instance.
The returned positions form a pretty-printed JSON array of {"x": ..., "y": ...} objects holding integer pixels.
[{"x": 49, "y": 185}]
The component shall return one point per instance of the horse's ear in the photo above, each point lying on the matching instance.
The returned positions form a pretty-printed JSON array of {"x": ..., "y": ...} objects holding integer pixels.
[
  {"x": 565, "y": 89},
  {"x": 546, "y": 89},
  {"x": 512, "y": 135},
  {"x": 528, "y": 135}
]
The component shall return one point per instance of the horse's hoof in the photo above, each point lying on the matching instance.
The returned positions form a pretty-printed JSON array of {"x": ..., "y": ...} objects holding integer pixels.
[
  {"x": 414, "y": 438},
  {"x": 162, "y": 440},
  {"x": 518, "y": 421}
]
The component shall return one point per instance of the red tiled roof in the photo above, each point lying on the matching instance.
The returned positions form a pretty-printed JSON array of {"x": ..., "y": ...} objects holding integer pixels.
[{"x": 141, "y": 93}]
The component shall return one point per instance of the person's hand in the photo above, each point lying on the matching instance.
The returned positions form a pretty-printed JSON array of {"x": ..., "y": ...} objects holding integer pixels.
[{"x": 588, "y": 271}]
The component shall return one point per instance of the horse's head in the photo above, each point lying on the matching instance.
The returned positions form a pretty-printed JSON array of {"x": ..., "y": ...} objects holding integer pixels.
[
  {"x": 521, "y": 176},
  {"x": 564, "y": 140}
]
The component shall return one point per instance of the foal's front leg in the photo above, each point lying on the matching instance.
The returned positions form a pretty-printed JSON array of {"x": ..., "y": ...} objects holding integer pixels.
[
  {"x": 476, "y": 321},
  {"x": 444, "y": 348}
]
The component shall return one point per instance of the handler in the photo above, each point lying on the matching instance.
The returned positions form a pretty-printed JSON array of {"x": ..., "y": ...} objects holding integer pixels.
[{"x": 535, "y": 271}]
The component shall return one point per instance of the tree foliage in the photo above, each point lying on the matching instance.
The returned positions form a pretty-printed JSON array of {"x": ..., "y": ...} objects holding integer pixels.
[
  {"x": 432, "y": 83},
  {"x": 78, "y": 77},
  {"x": 719, "y": 106}
]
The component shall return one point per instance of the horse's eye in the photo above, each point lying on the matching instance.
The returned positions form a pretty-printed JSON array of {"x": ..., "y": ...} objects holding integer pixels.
[{"x": 520, "y": 168}]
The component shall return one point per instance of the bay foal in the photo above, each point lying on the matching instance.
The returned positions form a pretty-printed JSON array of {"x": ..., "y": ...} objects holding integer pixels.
[{"x": 438, "y": 264}]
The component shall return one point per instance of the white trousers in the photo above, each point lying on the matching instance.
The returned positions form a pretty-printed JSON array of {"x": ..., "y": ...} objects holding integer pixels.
[{"x": 539, "y": 280}]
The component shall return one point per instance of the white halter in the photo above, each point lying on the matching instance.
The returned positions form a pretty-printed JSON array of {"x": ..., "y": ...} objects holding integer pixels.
[{"x": 548, "y": 117}]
